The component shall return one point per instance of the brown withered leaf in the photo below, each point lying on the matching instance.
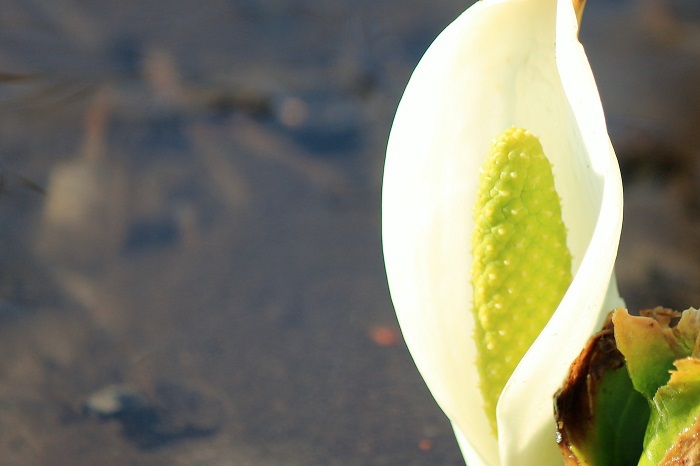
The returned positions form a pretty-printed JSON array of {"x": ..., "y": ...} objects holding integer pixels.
[
  {"x": 573, "y": 407},
  {"x": 686, "y": 450}
]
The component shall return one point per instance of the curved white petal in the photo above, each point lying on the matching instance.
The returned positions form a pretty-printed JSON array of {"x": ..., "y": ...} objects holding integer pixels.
[{"x": 501, "y": 63}]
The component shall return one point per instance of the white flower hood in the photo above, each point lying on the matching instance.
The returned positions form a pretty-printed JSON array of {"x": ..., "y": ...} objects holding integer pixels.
[{"x": 501, "y": 63}]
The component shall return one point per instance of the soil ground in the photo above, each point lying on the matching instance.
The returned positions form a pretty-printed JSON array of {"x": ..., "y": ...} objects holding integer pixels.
[{"x": 190, "y": 254}]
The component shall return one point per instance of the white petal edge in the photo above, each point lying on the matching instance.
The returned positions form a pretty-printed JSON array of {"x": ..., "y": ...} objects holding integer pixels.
[{"x": 495, "y": 66}]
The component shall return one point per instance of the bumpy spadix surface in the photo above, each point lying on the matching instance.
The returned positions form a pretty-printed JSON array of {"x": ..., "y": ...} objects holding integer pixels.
[{"x": 522, "y": 266}]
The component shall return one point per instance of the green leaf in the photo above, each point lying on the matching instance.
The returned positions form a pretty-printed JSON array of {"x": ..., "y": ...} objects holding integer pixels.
[
  {"x": 649, "y": 347},
  {"x": 673, "y": 434}
]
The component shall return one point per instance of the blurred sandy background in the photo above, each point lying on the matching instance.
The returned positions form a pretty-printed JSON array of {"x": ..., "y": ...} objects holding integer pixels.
[{"x": 190, "y": 255}]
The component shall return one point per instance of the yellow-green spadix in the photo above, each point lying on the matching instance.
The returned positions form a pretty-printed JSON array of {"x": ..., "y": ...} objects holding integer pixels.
[
  {"x": 521, "y": 266},
  {"x": 502, "y": 63}
]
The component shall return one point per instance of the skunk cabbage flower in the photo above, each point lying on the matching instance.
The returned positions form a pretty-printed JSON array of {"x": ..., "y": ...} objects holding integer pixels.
[{"x": 502, "y": 63}]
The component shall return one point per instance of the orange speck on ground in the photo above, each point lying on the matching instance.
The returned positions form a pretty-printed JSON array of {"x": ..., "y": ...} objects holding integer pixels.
[
  {"x": 384, "y": 335},
  {"x": 425, "y": 444}
]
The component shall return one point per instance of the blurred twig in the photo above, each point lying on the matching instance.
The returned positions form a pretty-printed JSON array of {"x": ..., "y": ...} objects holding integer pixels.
[
  {"x": 225, "y": 176},
  {"x": 274, "y": 146}
]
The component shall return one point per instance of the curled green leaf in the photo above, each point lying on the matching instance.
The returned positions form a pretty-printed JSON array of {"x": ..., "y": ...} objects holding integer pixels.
[
  {"x": 649, "y": 347},
  {"x": 673, "y": 435},
  {"x": 600, "y": 418}
]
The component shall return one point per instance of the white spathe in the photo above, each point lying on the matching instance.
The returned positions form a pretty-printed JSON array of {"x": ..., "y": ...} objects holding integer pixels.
[{"x": 502, "y": 63}]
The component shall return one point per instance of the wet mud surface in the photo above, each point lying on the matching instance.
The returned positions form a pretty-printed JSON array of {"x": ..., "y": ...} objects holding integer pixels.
[{"x": 190, "y": 253}]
